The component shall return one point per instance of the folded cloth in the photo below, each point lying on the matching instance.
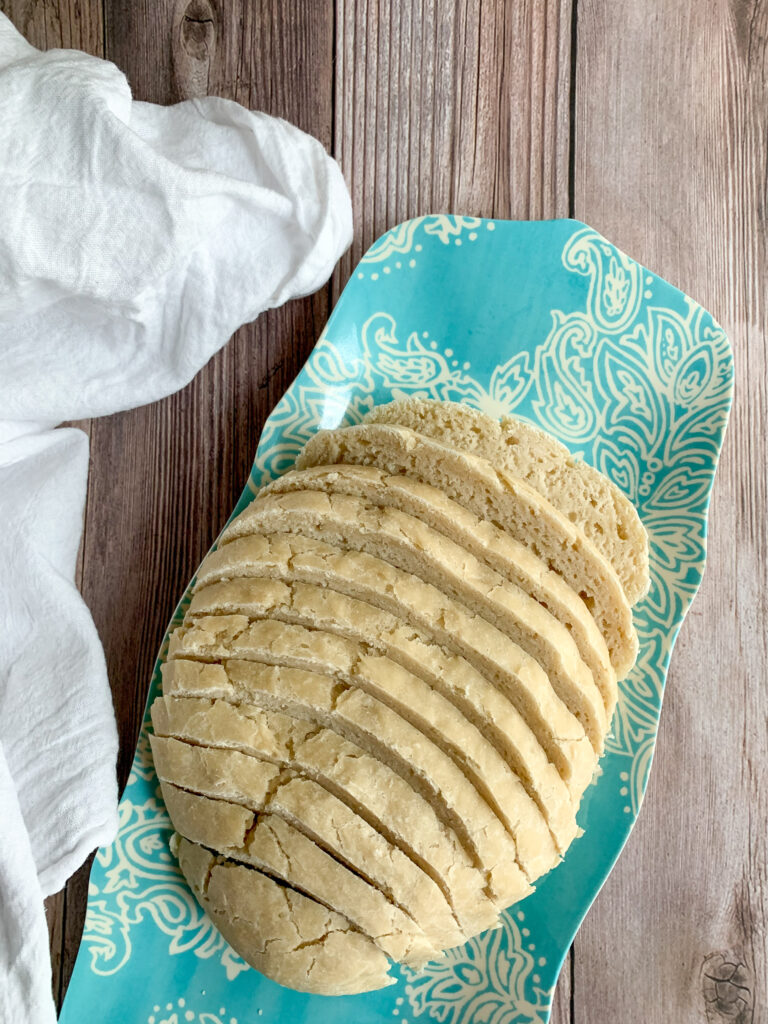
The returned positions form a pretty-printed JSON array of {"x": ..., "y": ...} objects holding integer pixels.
[{"x": 134, "y": 239}]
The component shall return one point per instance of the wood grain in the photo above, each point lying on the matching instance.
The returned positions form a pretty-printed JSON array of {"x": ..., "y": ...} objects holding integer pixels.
[
  {"x": 670, "y": 164},
  {"x": 451, "y": 107}
]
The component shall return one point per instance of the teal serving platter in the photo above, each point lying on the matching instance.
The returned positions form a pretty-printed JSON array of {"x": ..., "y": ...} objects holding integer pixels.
[{"x": 546, "y": 320}]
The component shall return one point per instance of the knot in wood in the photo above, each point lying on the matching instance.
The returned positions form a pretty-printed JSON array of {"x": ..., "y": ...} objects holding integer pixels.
[
  {"x": 198, "y": 32},
  {"x": 727, "y": 989},
  {"x": 194, "y": 46}
]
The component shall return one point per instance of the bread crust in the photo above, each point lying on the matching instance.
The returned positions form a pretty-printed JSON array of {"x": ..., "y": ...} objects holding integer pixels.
[{"x": 287, "y": 937}]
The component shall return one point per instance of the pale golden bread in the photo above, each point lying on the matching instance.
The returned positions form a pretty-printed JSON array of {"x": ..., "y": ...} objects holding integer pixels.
[
  {"x": 580, "y": 492},
  {"x": 412, "y": 698},
  {"x": 289, "y": 938},
  {"x": 390, "y": 689},
  {"x": 386, "y": 736},
  {"x": 372, "y": 790},
  {"x": 406, "y": 542},
  {"x": 451, "y": 624},
  {"x": 235, "y": 636},
  {"x": 304, "y": 804},
  {"x": 276, "y": 847}
]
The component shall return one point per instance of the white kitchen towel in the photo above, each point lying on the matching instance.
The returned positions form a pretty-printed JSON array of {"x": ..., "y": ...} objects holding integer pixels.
[{"x": 134, "y": 239}]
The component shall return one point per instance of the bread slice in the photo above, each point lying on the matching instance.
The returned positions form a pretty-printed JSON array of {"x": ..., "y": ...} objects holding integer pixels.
[
  {"x": 493, "y": 546},
  {"x": 220, "y": 774},
  {"x": 217, "y": 823},
  {"x": 402, "y": 540},
  {"x": 410, "y": 696},
  {"x": 209, "y": 719},
  {"x": 288, "y": 937},
  {"x": 507, "y": 501},
  {"x": 370, "y": 788},
  {"x": 580, "y": 492},
  {"x": 385, "y": 735},
  {"x": 222, "y": 637},
  {"x": 305, "y": 805},
  {"x": 283, "y": 852},
  {"x": 372, "y": 580}
]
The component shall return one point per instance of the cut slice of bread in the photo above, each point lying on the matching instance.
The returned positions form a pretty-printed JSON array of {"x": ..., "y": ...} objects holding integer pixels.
[
  {"x": 217, "y": 823},
  {"x": 410, "y": 696},
  {"x": 286, "y": 936},
  {"x": 219, "y": 774},
  {"x": 580, "y": 492},
  {"x": 507, "y": 501},
  {"x": 224, "y": 637},
  {"x": 493, "y": 546},
  {"x": 372, "y": 789},
  {"x": 305, "y": 805},
  {"x": 372, "y": 580},
  {"x": 351, "y": 523},
  {"x": 281, "y": 851}
]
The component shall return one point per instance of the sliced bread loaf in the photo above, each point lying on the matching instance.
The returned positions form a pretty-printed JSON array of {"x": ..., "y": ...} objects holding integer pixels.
[
  {"x": 283, "y": 852},
  {"x": 407, "y": 694},
  {"x": 426, "y": 608},
  {"x": 497, "y": 718},
  {"x": 496, "y": 548},
  {"x": 388, "y": 737},
  {"x": 309, "y": 808},
  {"x": 372, "y": 789}
]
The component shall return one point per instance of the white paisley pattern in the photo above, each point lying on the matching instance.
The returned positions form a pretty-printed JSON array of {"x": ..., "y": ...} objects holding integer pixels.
[
  {"x": 180, "y": 1012},
  {"x": 492, "y": 979},
  {"x": 637, "y": 388}
]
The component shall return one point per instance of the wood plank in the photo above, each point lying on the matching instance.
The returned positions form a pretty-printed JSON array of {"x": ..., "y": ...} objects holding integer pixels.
[
  {"x": 72, "y": 24},
  {"x": 561, "y": 1002},
  {"x": 670, "y": 164},
  {"x": 75, "y": 24},
  {"x": 164, "y": 478},
  {"x": 459, "y": 108}
]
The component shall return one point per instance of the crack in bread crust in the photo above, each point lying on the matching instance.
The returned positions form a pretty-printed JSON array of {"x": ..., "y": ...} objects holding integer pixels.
[{"x": 288, "y": 937}]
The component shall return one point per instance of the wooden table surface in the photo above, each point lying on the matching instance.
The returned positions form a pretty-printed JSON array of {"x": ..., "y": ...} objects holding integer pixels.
[{"x": 649, "y": 120}]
